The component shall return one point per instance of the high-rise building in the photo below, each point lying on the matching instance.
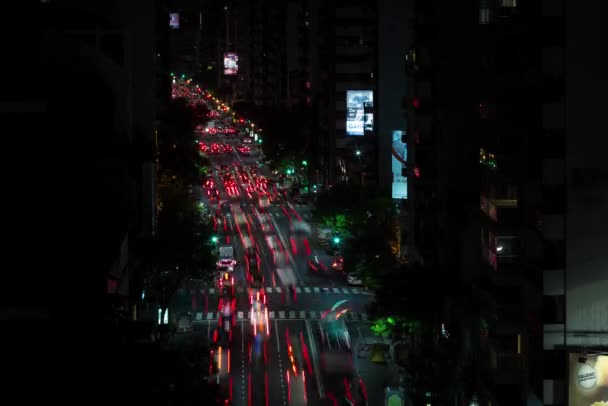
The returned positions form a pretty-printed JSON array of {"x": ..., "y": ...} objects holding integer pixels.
[
  {"x": 474, "y": 113},
  {"x": 81, "y": 107},
  {"x": 520, "y": 83},
  {"x": 575, "y": 205}
]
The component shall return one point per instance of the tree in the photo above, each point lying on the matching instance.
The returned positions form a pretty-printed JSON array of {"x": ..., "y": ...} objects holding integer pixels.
[{"x": 418, "y": 309}]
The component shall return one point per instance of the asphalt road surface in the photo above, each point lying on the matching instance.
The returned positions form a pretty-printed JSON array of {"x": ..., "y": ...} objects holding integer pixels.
[{"x": 260, "y": 365}]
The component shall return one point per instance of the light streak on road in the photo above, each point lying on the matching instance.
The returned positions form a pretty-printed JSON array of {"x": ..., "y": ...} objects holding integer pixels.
[
  {"x": 276, "y": 330},
  {"x": 313, "y": 349}
]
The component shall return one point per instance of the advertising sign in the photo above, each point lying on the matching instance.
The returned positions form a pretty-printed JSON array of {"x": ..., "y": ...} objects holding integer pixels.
[
  {"x": 359, "y": 112},
  {"x": 588, "y": 383},
  {"x": 399, "y": 161},
  {"x": 231, "y": 63},
  {"x": 174, "y": 20}
]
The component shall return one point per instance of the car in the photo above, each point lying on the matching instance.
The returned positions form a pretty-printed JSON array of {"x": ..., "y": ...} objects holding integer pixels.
[
  {"x": 184, "y": 323},
  {"x": 338, "y": 263},
  {"x": 315, "y": 264},
  {"x": 259, "y": 314},
  {"x": 225, "y": 268},
  {"x": 296, "y": 377},
  {"x": 354, "y": 279}
]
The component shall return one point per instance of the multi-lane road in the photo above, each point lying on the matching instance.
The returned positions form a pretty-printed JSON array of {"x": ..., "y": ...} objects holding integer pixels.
[{"x": 259, "y": 369}]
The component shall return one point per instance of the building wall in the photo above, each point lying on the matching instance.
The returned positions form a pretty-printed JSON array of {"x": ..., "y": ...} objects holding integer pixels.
[
  {"x": 586, "y": 178},
  {"x": 394, "y": 39}
]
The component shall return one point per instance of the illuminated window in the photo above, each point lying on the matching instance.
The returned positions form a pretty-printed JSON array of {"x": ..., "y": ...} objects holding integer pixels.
[{"x": 484, "y": 15}]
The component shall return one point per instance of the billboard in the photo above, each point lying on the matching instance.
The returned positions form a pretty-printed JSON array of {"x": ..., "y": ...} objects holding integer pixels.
[
  {"x": 359, "y": 112},
  {"x": 174, "y": 20},
  {"x": 588, "y": 383},
  {"x": 399, "y": 161},
  {"x": 231, "y": 63}
]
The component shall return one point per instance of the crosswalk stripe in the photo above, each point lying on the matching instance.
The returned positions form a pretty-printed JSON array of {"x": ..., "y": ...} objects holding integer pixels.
[
  {"x": 282, "y": 315},
  {"x": 305, "y": 289}
]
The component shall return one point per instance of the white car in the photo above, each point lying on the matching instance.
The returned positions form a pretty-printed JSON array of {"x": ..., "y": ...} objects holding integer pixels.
[{"x": 354, "y": 279}]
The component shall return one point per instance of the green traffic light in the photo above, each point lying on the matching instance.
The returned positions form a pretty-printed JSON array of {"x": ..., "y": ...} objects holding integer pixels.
[
  {"x": 183, "y": 76},
  {"x": 305, "y": 163},
  {"x": 214, "y": 239},
  {"x": 171, "y": 74},
  {"x": 336, "y": 240}
]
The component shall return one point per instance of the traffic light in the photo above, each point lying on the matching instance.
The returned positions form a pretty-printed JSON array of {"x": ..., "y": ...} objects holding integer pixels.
[
  {"x": 214, "y": 239},
  {"x": 336, "y": 240},
  {"x": 304, "y": 163}
]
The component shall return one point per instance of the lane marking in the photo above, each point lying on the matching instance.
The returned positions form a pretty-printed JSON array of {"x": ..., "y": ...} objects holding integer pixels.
[
  {"x": 292, "y": 314},
  {"x": 276, "y": 330},
  {"x": 302, "y": 314},
  {"x": 316, "y": 290},
  {"x": 336, "y": 290},
  {"x": 281, "y": 314},
  {"x": 306, "y": 289}
]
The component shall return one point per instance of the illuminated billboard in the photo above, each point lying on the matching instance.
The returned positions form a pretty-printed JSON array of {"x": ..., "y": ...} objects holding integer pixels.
[
  {"x": 399, "y": 161},
  {"x": 359, "y": 112},
  {"x": 588, "y": 383},
  {"x": 174, "y": 20},
  {"x": 231, "y": 63}
]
